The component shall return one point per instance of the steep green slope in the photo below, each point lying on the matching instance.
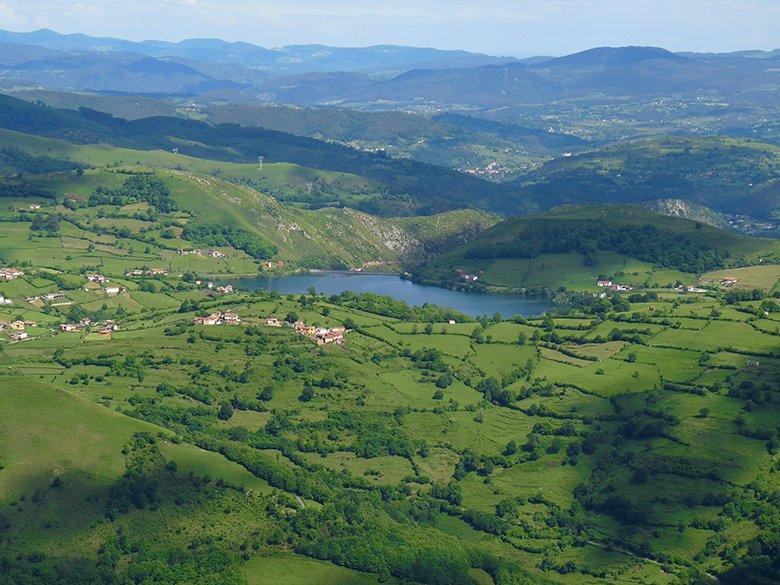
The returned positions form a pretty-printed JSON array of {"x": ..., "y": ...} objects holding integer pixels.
[
  {"x": 726, "y": 174},
  {"x": 574, "y": 246},
  {"x": 240, "y": 196}
]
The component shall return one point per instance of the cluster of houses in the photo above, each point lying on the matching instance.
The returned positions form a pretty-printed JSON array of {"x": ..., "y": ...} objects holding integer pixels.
[
  {"x": 149, "y": 272},
  {"x": 17, "y": 328},
  {"x": 690, "y": 289},
  {"x": 614, "y": 286},
  {"x": 48, "y": 297},
  {"x": 225, "y": 289},
  {"x": 492, "y": 171},
  {"x": 218, "y": 318},
  {"x": 210, "y": 253},
  {"x": 5, "y": 301},
  {"x": 10, "y": 273},
  {"x": 105, "y": 329},
  {"x": 320, "y": 335}
]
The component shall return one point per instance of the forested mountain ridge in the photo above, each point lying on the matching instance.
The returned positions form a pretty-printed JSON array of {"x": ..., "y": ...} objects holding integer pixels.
[
  {"x": 409, "y": 186},
  {"x": 725, "y": 174}
]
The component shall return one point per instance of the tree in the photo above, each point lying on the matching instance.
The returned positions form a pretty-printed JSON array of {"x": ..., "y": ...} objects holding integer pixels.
[
  {"x": 267, "y": 394},
  {"x": 307, "y": 394},
  {"x": 225, "y": 412},
  {"x": 511, "y": 448},
  {"x": 291, "y": 317}
]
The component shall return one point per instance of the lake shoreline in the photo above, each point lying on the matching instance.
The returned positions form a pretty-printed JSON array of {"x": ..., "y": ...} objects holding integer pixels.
[{"x": 472, "y": 303}]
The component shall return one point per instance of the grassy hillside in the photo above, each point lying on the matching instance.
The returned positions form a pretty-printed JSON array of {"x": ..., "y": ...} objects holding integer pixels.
[
  {"x": 402, "y": 186},
  {"x": 625, "y": 439},
  {"x": 576, "y": 245},
  {"x": 726, "y": 174},
  {"x": 241, "y": 196}
]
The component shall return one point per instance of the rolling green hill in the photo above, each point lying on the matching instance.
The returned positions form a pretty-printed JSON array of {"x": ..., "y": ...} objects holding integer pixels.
[
  {"x": 725, "y": 174},
  {"x": 573, "y": 246},
  {"x": 402, "y": 186},
  {"x": 237, "y": 195}
]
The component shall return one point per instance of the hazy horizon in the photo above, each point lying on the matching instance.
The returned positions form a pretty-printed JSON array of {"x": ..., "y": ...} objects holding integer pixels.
[{"x": 497, "y": 27}]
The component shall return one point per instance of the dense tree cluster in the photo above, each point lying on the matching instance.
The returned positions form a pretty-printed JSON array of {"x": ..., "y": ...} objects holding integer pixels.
[
  {"x": 138, "y": 188},
  {"x": 213, "y": 234},
  {"x": 23, "y": 162},
  {"x": 645, "y": 242}
]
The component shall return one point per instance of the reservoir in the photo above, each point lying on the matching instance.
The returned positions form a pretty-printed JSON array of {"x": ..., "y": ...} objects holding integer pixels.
[{"x": 333, "y": 283}]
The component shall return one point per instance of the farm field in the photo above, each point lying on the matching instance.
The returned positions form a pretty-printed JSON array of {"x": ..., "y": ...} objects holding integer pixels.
[{"x": 494, "y": 428}]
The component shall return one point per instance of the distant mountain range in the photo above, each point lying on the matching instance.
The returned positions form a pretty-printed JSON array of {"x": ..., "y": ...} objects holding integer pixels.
[
  {"x": 314, "y": 74},
  {"x": 380, "y": 59}
]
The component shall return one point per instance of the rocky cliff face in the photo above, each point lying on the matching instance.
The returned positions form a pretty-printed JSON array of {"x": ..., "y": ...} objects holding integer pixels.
[{"x": 688, "y": 210}]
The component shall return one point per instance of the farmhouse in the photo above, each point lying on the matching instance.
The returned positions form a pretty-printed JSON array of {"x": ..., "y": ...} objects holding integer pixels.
[
  {"x": 216, "y": 254},
  {"x": 5, "y": 301},
  {"x": 135, "y": 272},
  {"x": 227, "y": 289},
  {"x": 273, "y": 322},
  {"x": 321, "y": 335},
  {"x": 226, "y": 318},
  {"x": 99, "y": 278},
  {"x": 53, "y": 296},
  {"x": 10, "y": 273},
  {"x": 156, "y": 271},
  {"x": 112, "y": 290},
  {"x": 604, "y": 283},
  {"x": 69, "y": 327},
  {"x": 231, "y": 318},
  {"x": 729, "y": 281},
  {"x": 20, "y": 336},
  {"x": 35, "y": 207}
]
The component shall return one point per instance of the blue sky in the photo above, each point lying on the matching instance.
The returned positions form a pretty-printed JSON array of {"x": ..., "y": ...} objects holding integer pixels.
[{"x": 506, "y": 27}]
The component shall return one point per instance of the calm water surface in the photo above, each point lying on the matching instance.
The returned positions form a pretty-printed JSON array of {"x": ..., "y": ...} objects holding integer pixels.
[{"x": 470, "y": 303}]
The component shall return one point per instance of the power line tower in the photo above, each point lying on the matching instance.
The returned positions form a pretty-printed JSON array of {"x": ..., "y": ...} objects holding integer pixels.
[
  {"x": 309, "y": 187},
  {"x": 260, "y": 161},
  {"x": 175, "y": 150}
]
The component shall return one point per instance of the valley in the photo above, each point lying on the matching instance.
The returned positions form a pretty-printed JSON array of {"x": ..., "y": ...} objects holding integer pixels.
[{"x": 317, "y": 315}]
